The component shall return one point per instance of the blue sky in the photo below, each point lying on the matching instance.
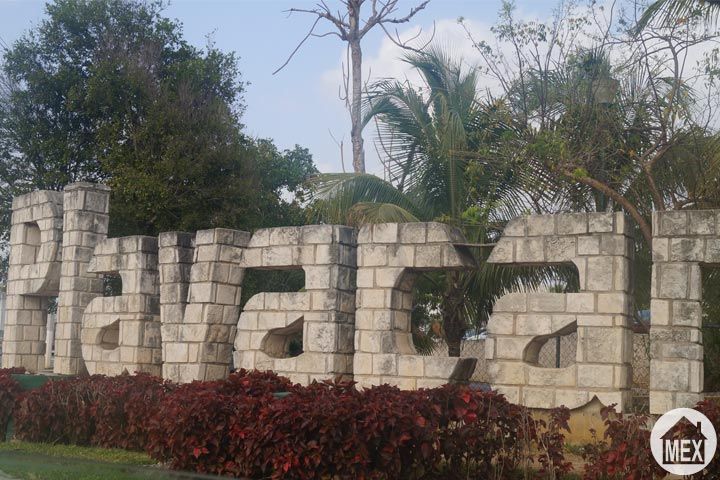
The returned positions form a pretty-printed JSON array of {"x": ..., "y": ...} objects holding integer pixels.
[{"x": 300, "y": 104}]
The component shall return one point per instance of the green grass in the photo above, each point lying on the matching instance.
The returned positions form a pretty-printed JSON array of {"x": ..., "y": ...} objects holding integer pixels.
[
  {"x": 37, "y": 461},
  {"x": 109, "y": 455}
]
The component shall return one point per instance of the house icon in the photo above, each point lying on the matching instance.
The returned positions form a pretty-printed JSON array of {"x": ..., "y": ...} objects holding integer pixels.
[{"x": 684, "y": 444}]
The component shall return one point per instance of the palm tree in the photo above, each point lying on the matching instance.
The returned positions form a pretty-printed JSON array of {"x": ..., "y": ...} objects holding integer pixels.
[
  {"x": 438, "y": 143},
  {"x": 672, "y": 12}
]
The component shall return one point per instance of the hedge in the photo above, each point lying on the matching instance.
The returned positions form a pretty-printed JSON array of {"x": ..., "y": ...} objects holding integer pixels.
[{"x": 239, "y": 427}]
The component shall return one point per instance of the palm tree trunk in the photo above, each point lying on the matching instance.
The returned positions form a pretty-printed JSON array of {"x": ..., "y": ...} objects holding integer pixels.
[
  {"x": 453, "y": 321},
  {"x": 454, "y": 347}
]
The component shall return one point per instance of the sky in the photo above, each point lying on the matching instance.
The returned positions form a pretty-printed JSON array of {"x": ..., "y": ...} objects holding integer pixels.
[{"x": 300, "y": 104}]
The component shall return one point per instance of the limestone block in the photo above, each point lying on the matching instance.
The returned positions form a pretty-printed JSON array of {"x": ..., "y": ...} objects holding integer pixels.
[
  {"x": 515, "y": 227},
  {"x": 385, "y": 233},
  {"x": 712, "y": 250},
  {"x": 429, "y": 383},
  {"x": 411, "y": 366},
  {"x": 538, "y": 397},
  {"x": 372, "y": 255},
  {"x": 546, "y": 302},
  {"x": 442, "y": 233},
  {"x": 401, "y": 255},
  {"x": 511, "y": 302},
  {"x": 551, "y": 377},
  {"x": 702, "y": 222},
  {"x": 412, "y": 233},
  {"x": 508, "y": 373},
  {"x": 533, "y": 325},
  {"x": 560, "y": 249},
  {"x": 571, "y": 398},
  {"x": 601, "y": 223},
  {"x": 572, "y": 223},
  {"x": 686, "y": 313},
  {"x": 615, "y": 245},
  {"x": 510, "y": 347},
  {"x": 600, "y": 273},
  {"x": 588, "y": 245},
  {"x": 428, "y": 256},
  {"x": 501, "y": 324},
  {"x": 604, "y": 345},
  {"x": 670, "y": 375},
  {"x": 687, "y": 249},
  {"x": 385, "y": 364},
  {"x": 503, "y": 251},
  {"x": 529, "y": 250},
  {"x": 580, "y": 302},
  {"x": 673, "y": 280},
  {"x": 613, "y": 303},
  {"x": 595, "y": 376},
  {"x": 671, "y": 222},
  {"x": 539, "y": 225}
]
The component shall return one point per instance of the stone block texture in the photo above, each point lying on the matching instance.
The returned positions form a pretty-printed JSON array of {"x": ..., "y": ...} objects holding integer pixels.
[
  {"x": 122, "y": 333},
  {"x": 33, "y": 276},
  {"x": 682, "y": 242},
  {"x": 389, "y": 257},
  {"x": 175, "y": 260},
  {"x": 198, "y": 329},
  {"x": 85, "y": 225},
  {"x": 320, "y": 318},
  {"x": 599, "y": 245}
]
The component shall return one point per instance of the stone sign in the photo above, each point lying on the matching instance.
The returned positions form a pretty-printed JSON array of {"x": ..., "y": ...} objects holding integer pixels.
[{"x": 179, "y": 310}]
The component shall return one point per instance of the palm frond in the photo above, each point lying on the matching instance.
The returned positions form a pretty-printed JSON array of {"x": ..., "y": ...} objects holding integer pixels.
[
  {"x": 366, "y": 213},
  {"x": 669, "y": 13},
  {"x": 333, "y": 196}
]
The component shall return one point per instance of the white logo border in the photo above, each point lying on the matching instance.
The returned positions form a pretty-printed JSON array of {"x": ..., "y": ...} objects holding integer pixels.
[{"x": 666, "y": 422}]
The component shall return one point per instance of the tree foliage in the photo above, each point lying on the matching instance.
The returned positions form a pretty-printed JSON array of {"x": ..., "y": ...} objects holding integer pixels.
[{"x": 110, "y": 91}]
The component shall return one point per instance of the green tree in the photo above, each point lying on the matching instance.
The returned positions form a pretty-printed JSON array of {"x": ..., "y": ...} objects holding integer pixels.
[
  {"x": 601, "y": 130},
  {"x": 109, "y": 91},
  {"x": 431, "y": 137}
]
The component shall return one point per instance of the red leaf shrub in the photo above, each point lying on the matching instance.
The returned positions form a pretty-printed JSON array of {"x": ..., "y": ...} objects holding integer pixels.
[
  {"x": 627, "y": 455},
  {"x": 333, "y": 430},
  {"x": 110, "y": 412},
  {"x": 327, "y": 430},
  {"x": 9, "y": 395},
  {"x": 122, "y": 408},
  {"x": 58, "y": 412}
]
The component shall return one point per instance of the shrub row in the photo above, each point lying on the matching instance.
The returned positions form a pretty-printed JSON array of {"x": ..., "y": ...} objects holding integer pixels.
[
  {"x": 327, "y": 430},
  {"x": 239, "y": 427}
]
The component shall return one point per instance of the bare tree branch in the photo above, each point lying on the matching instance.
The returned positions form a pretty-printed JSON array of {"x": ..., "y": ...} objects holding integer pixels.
[{"x": 348, "y": 29}]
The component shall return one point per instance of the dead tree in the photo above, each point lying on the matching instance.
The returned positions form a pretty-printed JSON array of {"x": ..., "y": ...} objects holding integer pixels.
[{"x": 349, "y": 27}]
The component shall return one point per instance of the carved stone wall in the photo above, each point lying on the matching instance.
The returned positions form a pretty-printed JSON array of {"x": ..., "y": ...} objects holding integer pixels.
[
  {"x": 320, "y": 318},
  {"x": 682, "y": 242},
  {"x": 86, "y": 217},
  {"x": 33, "y": 276},
  {"x": 122, "y": 333},
  {"x": 179, "y": 311},
  {"x": 200, "y": 347},
  {"x": 390, "y": 255},
  {"x": 175, "y": 259},
  {"x": 599, "y": 245}
]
